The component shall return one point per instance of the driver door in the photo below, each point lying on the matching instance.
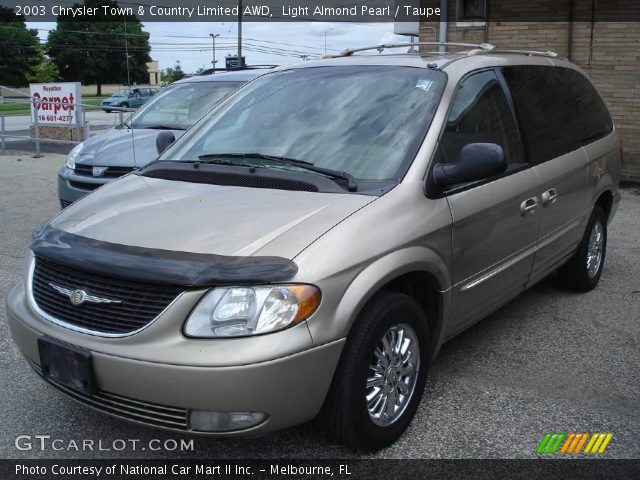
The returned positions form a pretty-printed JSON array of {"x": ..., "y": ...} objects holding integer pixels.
[{"x": 495, "y": 221}]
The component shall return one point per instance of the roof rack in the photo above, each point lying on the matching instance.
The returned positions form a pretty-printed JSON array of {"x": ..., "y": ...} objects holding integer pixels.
[
  {"x": 484, "y": 47},
  {"x": 477, "y": 48},
  {"x": 548, "y": 53}
]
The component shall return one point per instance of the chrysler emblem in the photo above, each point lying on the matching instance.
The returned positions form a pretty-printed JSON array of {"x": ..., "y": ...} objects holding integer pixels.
[
  {"x": 78, "y": 296},
  {"x": 98, "y": 171}
]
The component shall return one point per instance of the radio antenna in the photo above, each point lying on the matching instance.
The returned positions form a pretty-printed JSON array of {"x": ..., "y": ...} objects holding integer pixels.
[{"x": 126, "y": 53}]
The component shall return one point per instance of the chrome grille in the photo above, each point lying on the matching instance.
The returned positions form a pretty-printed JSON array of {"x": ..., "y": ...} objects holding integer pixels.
[
  {"x": 127, "y": 408},
  {"x": 110, "y": 172},
  {"x": 138, "y": 303}
]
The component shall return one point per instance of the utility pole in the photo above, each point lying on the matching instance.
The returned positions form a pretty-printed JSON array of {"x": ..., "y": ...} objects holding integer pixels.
[
  {"x": 239, "y": 33},
  {"x": 213, "y": 61},
  {"x": 126, "y": 50}
]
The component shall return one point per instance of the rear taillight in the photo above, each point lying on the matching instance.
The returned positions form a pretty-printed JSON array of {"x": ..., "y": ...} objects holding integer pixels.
[{"x": 621, "y": 151}]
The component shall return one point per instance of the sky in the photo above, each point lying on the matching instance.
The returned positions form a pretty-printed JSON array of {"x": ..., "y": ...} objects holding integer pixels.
[{"x": 264, "y": 43}]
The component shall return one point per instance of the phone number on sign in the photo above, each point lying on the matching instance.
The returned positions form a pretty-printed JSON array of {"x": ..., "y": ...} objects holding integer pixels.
[{"x": 55, "y": 118}]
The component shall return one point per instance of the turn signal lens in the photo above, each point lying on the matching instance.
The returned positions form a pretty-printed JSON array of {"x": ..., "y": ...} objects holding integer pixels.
[{"x": 308, "y": 301}]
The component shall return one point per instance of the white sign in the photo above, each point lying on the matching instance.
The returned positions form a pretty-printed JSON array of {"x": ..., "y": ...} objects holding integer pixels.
[
  {"x": 54, "y": 103},
  {"x": 407, "y": 28}
]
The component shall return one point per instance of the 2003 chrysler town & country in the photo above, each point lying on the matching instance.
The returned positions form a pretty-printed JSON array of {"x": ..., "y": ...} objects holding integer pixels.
[{"x": 305, "y": 249}]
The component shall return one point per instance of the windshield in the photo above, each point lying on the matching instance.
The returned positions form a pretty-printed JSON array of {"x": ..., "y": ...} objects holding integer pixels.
[
  {"x": 368, "y": 121},
  {"x": 122, "y": 93},
  {"x": 180, "y": 106}
]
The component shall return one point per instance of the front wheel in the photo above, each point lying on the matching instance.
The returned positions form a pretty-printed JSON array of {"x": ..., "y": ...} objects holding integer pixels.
[
  {"x": 582, "y": 272},
  {"x": 381, "y": 375}
]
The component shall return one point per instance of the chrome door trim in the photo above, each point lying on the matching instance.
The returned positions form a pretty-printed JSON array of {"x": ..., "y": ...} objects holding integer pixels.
[
  {"x": 553, "y": 236},
  {"x": 502, "y": 266}
]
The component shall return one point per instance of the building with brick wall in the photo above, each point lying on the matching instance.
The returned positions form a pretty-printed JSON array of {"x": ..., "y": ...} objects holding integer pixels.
[{"x": 603, "y": 42}]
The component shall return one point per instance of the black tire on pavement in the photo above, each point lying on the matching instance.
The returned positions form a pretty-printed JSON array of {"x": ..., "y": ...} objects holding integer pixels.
[
  {"x": 345, "y": 417},
  {"x": 582, "y": 272}
]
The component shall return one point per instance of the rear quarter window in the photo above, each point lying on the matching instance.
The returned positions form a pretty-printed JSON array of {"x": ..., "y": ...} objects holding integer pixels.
[{"x": 558, "y": 108}]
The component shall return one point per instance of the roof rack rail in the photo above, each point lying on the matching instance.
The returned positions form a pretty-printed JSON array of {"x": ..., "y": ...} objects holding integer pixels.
[
  {"x": 484, "y": 47},
  {"x": 548, "y": 53},
  {"x": 209, "y": 71}
]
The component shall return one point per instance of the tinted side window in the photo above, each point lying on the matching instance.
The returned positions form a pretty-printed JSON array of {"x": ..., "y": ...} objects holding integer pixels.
[
  {"x": 481, "y": 114},
  {"x": 558, "y": 108}
]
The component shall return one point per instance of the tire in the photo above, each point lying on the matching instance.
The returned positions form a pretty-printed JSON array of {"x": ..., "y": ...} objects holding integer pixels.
[
  {"x": 345, "y": 417},
  {"x": 107, "y": 110},
  {"x": 124, "y": 105},
  {"x": 582, "y": 272}
]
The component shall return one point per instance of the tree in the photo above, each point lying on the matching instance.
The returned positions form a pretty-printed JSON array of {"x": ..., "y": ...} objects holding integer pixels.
[
  {"x": 19, "y": 49},
  {"x": 173, "y": 74},
  {"x": 96, "y": 51},
  {"x": 44, "y": 71}
]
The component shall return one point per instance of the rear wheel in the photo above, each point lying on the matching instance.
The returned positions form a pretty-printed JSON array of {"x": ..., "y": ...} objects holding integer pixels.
[
  {"x": 582, "y": 272},
  {"x": 125, "y": 105},
  {"x": 381, "y": 376},
  {"x": 107, "y": 110}
]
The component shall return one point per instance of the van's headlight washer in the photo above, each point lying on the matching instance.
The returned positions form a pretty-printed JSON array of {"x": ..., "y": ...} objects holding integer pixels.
[{"x": 246, "y": 310}]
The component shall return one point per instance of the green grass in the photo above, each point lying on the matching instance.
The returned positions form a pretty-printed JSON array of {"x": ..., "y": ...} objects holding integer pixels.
[
  {"x": 14, "y": 108},
  {"x": 23, "y": 108}
]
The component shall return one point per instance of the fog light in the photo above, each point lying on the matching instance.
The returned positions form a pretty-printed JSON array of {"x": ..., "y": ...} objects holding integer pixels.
[{"x": 205, "y": 421}]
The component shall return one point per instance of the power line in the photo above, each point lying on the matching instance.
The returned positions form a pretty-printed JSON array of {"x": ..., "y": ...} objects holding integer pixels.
[
  {"x": 123, "y": 49},
  {"x": 147, "y": 34}
]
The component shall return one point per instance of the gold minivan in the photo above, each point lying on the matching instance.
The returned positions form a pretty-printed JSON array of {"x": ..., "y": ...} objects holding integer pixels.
[{"x": 305, "y": 249}]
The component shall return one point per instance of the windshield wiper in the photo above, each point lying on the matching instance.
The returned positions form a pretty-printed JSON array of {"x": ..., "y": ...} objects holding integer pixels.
[
  {"x": 162, "y": 127},
  {"x": 352, "y": 186}
]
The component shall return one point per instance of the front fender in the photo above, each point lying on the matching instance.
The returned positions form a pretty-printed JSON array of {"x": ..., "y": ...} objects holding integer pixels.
[{"x": 373, "y": 278}]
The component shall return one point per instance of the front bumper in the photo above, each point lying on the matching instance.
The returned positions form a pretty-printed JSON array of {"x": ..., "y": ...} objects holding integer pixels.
[
  {"x": 72, "y": 187},
  {"x": 290, "y": 389}
]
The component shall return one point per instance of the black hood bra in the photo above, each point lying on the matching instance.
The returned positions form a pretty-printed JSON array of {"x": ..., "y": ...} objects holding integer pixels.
[{"x": 157, "y": 266}]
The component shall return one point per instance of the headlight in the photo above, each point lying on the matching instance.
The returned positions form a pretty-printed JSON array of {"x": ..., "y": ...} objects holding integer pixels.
[
  {"x": 242, "y": 311},
  {"x": 73, "y": 155}
]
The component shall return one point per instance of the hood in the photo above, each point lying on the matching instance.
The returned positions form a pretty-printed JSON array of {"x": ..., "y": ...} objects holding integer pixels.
[
  {"x": 207, "y": 219},
  {"x": 114, "y": 147}
]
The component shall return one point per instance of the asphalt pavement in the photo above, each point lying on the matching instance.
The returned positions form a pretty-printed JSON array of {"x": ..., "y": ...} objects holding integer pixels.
[{"x": 550, "y": 361}]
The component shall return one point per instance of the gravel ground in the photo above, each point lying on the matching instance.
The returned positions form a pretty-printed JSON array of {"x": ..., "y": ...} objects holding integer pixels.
[{"x": 550, "y": 361}]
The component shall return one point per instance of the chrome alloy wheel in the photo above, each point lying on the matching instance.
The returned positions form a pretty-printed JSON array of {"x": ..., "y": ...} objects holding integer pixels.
[
  {"x": 595, "y": 248},
  {"x": 393, "y": 372}
]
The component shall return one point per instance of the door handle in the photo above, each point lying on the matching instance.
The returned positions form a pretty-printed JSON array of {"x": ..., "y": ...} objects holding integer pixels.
[
  {"x": 549, "y": 197},
  {"x": 529, "y": 206}
]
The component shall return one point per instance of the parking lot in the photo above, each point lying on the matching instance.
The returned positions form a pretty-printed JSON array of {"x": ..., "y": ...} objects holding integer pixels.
[{"x": 551, "y": 361}]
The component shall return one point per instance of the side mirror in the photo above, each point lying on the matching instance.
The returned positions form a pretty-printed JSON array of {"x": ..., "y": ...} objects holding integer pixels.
[
  {"x": 164, "y": 140},
  {"x": 477, "y": 161}
]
